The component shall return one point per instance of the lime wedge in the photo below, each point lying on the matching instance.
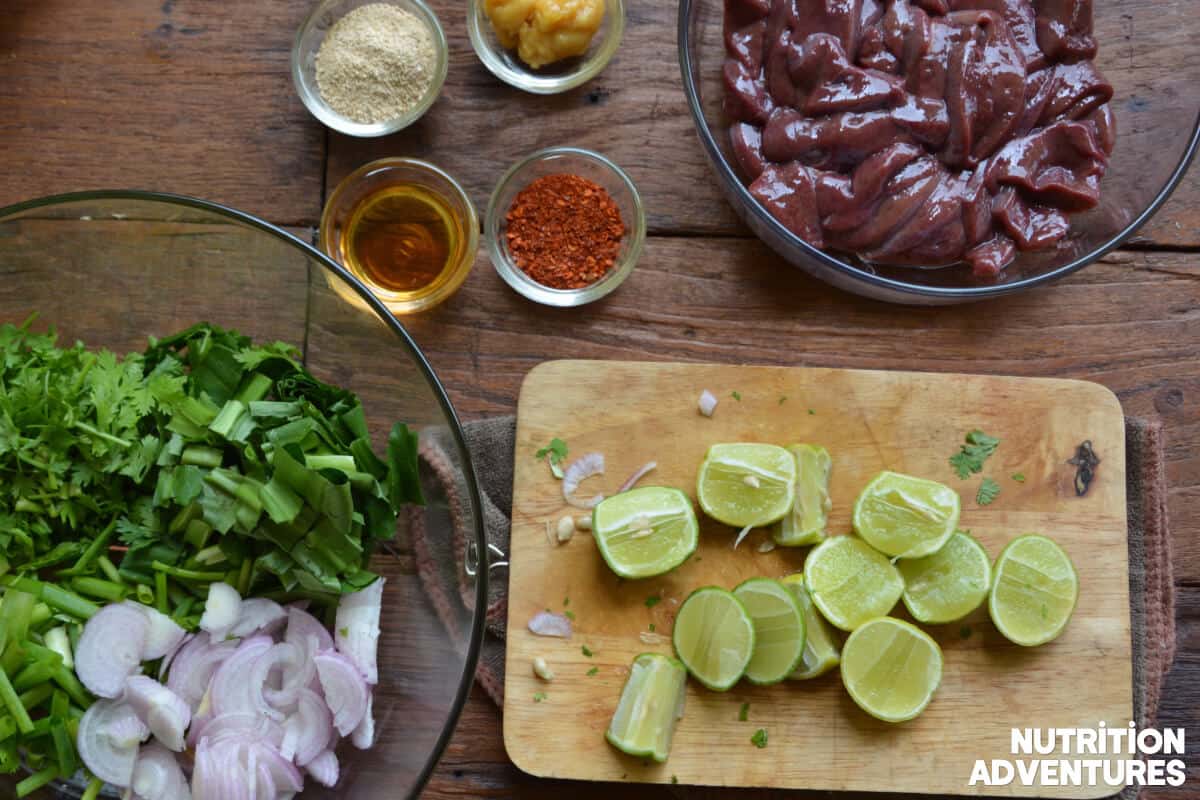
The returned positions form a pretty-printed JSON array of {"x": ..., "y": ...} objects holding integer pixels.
[
  {"x": 650, "y": 705},
  {"x": 903, "y": 516},
  {"x": 645, "y": 532},
  {"x": 820, "y": 646},
  {"x": 779, "y": 629},
  {"x": 805, "y": 523},
  {"x": 891, "y": 669},
  {"x": 949, "y": 584},
  {"x": 1034, "y": 589},
  {"x": 714, "y": 637},
  {"x": 746, "y": 484},
  {"x": 850, "y": 582}
]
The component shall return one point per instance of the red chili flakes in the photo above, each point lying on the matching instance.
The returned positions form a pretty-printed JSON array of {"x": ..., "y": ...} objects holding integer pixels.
[{"x": 564, "y": 231}]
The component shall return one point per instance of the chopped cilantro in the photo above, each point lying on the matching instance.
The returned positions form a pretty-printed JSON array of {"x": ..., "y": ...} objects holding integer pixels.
[
  {"x": 653, "y": 600},
  {"x": 557, "y": 452},
  {"x": 759, "y": 739},
  {"x": 674, "y": 779},
  {"x": 811, "y": 412},
  {"x": 977, "y": 448},
  {"x": 587, "y": 651},
  {"x": 989, "y": 490},
  {"x": 652, "y": 627},
  {"x": 736, "y": 396},
  {"x": 1019, "y": 477},
  {"x": 539, "y": 697},
  {"x": 964, "y": 632},
  {"x": 593, "y": 671},
  {"x": 344, "y": 633},
  {"x": 569, "y": 614},
  {"x": 782, "y": 399},
  {"x": 744, "y": 712},
  {"x": 566, "y": 601}
]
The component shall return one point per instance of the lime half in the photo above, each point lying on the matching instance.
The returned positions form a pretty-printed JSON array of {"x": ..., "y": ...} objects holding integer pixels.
[
  {"x": 1034, "y": 589},
  {"x": 645, "y": 532},
  {"x": 903, "y": 516},
  {"x": 805, "y": 523},
  {"x": 850, "y": 582},
  {"x": 779, "y": 629},
  {"x": 949, "y": 584},
  {"x": 714, "y": 637},
  {"x": 820, "y": 646},
  {"x": 650, "y": 705},
  {"x": 746, "y": 484},
  {"x": 891, "y": 668}
]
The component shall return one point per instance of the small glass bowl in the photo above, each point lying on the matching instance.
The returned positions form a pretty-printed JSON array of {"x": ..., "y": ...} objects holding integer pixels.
[
  {"x": 304, "y": 65},
  {"x": 585, "y": 164},
  {"x": 378, "y": 175},
  {"x": 552, "y": 78}
]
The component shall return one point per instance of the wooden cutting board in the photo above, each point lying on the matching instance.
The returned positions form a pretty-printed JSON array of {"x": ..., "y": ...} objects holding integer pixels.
[{"x": 869, "y": 421}]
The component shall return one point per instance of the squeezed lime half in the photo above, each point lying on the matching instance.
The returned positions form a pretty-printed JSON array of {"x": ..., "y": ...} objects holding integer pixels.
[
  {"x": 907, "y": 517},
  {"x": 714, "y": 637},
  {"x": 746, "y": 484},
  {"x": 820, "y": 642},
  {"x": 650, "y": 706},
  {"x": 805, "y": 523},
  {"x": 779, "y": 629},
  {"x": 1034, "y": 589},
  {"x": 645, "y": 532}
]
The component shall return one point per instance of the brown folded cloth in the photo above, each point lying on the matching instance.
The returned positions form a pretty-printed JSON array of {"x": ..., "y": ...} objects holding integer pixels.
[{"x": 491, "y": 442}]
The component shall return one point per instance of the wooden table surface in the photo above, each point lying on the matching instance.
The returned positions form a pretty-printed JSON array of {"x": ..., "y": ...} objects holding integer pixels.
[{"x": 195, "y": 97}]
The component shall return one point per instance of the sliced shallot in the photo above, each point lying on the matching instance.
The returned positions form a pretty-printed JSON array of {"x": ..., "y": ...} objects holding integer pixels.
[
  {"x": 165, "y": 665},
  {"x": 344, "y": 689},
  {"x": 194, "y": 665},
  {"x": 239, "y": 722},
  {"x": 637, "y": 476},
  {"x": 164, "y": 712},
  {"x": 708, "y": 403},
  {"x": 108, "y": 738},
  {"x": 240, "y": 681},
  {"x": 110, "y": 649},
  {"x": 158, "y": 776},
  {"x": 309, "y": 730},
  {"x": 357, "y": 628},
  {"x": 163, "y": 635},
  {"x": 324, "y": 769},
  {"x": 257, "y": 614},
  {"x": 742, "y": 534},
  {"x": 578, "y": 471},
  {"x": 221, "y": 610},
  {"x": 545, "y": 623},
  {"x": 364, "y": 735}
]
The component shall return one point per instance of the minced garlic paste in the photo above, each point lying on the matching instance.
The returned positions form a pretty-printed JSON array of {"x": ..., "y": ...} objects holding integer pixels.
[{"x": 545, "y": 31}]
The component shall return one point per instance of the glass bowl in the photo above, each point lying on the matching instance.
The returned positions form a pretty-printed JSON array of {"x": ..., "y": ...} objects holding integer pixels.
[
  {"x": 324, "y": 16},
  {"x": 111, "y": 268},
  {"x": 552, "y": 78},
  {"x": 1144, "y": 52},
  {"x": 376, "y": 175},
  {"x": 574, "y": 161}
]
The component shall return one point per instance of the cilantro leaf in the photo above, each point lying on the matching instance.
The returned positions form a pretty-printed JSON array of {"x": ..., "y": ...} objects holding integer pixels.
[
  {"x": 976, "y": 449},
  {"x": 1019, "y": 477},
  {"x": 744, "y": 712},
  {"x": 989, "y": 490},
  {"x": 653, "y": 600},
  {"x": 557, "y": 453},
  {"x": 759, "y": 739}
]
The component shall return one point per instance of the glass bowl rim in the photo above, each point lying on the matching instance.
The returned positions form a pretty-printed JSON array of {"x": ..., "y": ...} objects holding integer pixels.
[
  {"x": 546, "y": 295},
  {"x": 726, "y": 174},
  {"x": 324, "y": 114},
  {"x": 588, "y": 70},
  {"x": 471, "y": 662}
]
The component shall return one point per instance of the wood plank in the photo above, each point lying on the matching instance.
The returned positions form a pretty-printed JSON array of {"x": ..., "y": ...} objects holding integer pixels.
[
  {"x": 870, "y": 421},
  {"x": 1131, "y": 322},
  {"x": 475, "y": 764},
  {"x": 173, "y": 95},
  {"x": 636, "y": 113}
]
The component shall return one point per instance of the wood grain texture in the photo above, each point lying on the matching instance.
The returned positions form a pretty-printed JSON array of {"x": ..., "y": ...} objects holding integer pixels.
[
  {"x": 636, "y": 113},
  {"x": 869, "y": 421},
  {"x": 184, "y": 96}
]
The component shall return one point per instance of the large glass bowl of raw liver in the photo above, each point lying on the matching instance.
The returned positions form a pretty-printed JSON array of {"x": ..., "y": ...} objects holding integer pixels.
[
  {"x": 1146, "y": 51},
  {"x": 110, "y": 269}
]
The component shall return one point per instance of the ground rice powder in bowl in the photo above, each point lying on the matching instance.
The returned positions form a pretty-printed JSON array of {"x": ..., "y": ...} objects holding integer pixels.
[
  {"x": 376, "y": 63},
  {"x": 564, "y": 231}
]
